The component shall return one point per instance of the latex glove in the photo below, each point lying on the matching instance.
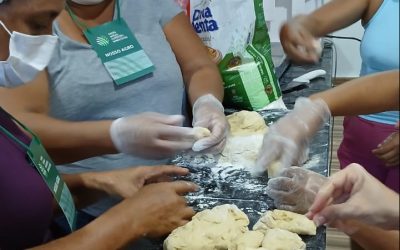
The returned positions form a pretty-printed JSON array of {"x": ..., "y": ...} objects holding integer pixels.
[
  {"x": 151, "y": 135},
  {"x": 295, "y": 189},
  {"x": 208, "y": 112},
  {"x": 127, "y": 182},
  {"x": 288, "y": 139},
  {"x": 353, "y": 193},
  {"x": 298, "y": 42},
  {"x": 388, "y": 151}
]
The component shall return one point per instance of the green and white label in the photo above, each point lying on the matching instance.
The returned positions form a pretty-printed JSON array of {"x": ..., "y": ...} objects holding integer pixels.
[{"x": 119, "y": 50}]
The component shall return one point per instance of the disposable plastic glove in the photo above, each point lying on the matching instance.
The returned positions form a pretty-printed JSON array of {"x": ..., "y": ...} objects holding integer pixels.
[
  {"x": 287, "y": 141},
  {"x": 295, "y": 189},
  {"x": 208, "y": 113},
  {"x": 151, "y": 135},
  {"x": 353, "y": 193}
]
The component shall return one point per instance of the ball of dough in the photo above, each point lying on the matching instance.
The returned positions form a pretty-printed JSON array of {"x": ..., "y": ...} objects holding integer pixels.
[
  {"x": 293, "y": 222},
  {"x": 279, "y": 239},
  {"x": 246, "y": 123},
  {"x": 200, "y": 133}
]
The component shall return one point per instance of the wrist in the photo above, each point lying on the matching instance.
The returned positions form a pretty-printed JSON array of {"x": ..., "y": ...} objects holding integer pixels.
[
  {"x": 113, "y": 230},
  {"x": 116, "y": 139},
  {"x": 93, "y": 181},
  {"x": 208, "y": 99},
  {"x": 391, "y": 216}
]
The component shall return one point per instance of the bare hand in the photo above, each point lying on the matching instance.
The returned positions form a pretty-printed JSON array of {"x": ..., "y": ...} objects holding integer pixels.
[
  {"x": 299, "y": 44},
  {"x": 388, "y": 151},
  {"x": 353, "y": 193},
  {"x": 127, "y": 182},
  {"x": 160, "y": 208}
]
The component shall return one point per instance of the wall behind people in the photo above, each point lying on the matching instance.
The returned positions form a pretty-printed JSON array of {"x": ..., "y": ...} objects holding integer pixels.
[{"x": 349, "y": 61}]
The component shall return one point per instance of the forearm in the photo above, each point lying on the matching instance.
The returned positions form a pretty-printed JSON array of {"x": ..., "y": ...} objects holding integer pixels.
[
  {"x": 371, "y": 238},
  {"x": 392, "y": 214},
  {"x": 109, "y": 231},
  {"x": 365, "y": 95},
  {"x": 200, "y": 73},
  {"x": 333, "y": 16},
  {"x": 69, "y": 141},
  {"x": 206, "y": 80},
  {"x": 83, "y": 189}
]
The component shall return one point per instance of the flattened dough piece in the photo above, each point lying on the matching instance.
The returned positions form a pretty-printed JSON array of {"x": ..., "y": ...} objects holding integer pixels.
[
  {"x": 246, "y": 123},
  {"x": 218, "y": 228},
  {"x": 200, "y": 133},
  {"x": 250, "y": 240},
  {"x": 279, "y": 239},
  {"x": 293, "y": 222}
]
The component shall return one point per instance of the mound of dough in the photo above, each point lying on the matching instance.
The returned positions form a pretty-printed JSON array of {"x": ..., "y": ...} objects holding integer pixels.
[
  {"x": 279, "y": 239},
  {"x": 246, "y": 123},
  {"x": 245, "y": 140},
  {"x": 218, "y": 228},
  {"x": 200, "y": 133},
  {"x": 293, "y": 222},
  {"x": 250, "y": 240}
]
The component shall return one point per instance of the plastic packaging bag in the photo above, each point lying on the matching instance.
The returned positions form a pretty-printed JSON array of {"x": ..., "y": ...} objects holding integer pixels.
[{"x": 236, "y": 35}]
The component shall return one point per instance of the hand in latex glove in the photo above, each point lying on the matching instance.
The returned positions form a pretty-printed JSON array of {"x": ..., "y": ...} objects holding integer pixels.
[
  {"x": 208, "y": 113},
  {"x": 126, "y": 182},
  {"x": 353, "y": 193},
  {"x": 295, "y": 189},
  {"x": 151, "y": 135},
  {"x": 287, "y": 140},
  {"x": 298, "y": 42},
  {"x": 388, "y": 151}
]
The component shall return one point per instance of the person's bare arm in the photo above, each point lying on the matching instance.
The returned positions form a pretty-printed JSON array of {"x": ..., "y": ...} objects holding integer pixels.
[
  {"x": 200, "y": 73},
  {"x": 298, "y": 36},
  {"x": 66, "y": 141},
  {"x": 372, "y": 238},
  {"x": 154, "y": 211},
  {"x": 364, "y": 95},
  {"x": 109, "y": 231},
  {"x": 333, "y": 16},
  {"x": 88, "y": 187}
]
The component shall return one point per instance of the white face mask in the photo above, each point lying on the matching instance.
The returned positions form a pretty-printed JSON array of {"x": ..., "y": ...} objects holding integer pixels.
[
  {"x": 87, "y": 2},
  {"x": 28, "y": 56}
]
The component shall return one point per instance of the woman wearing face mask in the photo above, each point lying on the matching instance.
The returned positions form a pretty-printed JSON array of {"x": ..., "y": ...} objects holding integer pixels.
[
  {"x": 96, "y": 90},
  {"x": 28, "y": 178}
]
